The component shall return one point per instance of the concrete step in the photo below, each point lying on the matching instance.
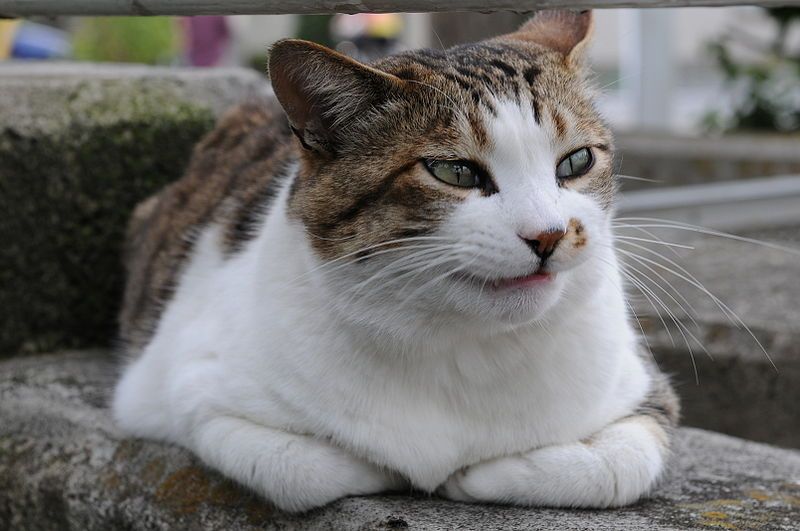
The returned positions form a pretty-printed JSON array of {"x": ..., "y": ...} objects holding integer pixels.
[
  {"x": 732, "y": 386},
  {"x": 80, "y": 145},
  {"x": 64, "y": 465}
]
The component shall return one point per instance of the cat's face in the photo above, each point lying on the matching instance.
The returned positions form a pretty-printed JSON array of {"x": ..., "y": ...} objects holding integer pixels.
[{"x": 468, "y": 187}]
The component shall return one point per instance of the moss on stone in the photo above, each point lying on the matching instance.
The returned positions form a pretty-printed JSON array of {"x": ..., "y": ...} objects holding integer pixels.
[{"x": 68, "y": 182}]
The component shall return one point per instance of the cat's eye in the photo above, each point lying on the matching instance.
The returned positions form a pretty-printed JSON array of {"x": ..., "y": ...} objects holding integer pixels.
[
  {"x": 575, "y": 164},
  {"x": 456, "y": 172}
]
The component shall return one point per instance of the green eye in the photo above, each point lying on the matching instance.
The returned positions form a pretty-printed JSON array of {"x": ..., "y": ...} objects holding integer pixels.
[
  {"x": 575, "y": 164},
  {"x": 456, "y": 172}
]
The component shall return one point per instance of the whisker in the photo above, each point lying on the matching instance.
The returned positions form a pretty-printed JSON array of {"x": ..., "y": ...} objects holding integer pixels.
[
  {"x": 625, "y": 297},
  {"x": 414, "y": 274},
  {"x": 399, "y": 265},
  {"x": 370, "y": 247},
  {"x": 693, "y": 321},
  {"x": 726, "y": 310},
  {"x": 657, "y": 242},
  {"x": 454, "y": 108},
  {"x": 680, "y": 326},
  {"x": 346, "y": 238},
  {"x": 679, "y": 225},
  {"x": 693, "y": 312},
  {"x": 643, "y": 179},
  {"x": 351, "y": 262},
  {"x": 646, "y": 232},
  {"x": 435, "y": 280},
  {"x": 636, "y": 284}
]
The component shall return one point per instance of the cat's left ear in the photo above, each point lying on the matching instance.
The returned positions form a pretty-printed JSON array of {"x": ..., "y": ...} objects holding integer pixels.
[
  {"x": 326, "y": 95},
  {"x": 567, "y": 32}
]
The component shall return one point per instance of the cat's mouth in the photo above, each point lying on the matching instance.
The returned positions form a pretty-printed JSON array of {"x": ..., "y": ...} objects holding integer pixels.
[
  {"x": 538, "y": 278},
  {"x": 535, "y": 279}
]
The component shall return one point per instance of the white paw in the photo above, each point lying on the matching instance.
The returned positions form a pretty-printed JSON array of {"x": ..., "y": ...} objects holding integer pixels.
[
  {"x": 483, "y": 482},
  {"x": 295, "y": 472},
  {"x": 452, "y": 489},
  {"x": 570, "y": 475},
  {"x": 326, "y": 474}
]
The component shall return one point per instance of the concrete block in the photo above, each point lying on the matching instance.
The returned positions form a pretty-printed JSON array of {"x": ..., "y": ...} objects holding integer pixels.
[
  {"x": 80, "y": 145},
  {"x": 732, "y": 386}
]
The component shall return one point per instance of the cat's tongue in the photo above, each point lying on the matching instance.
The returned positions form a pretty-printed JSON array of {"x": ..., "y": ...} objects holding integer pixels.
[{"x": 535, "y": 279}]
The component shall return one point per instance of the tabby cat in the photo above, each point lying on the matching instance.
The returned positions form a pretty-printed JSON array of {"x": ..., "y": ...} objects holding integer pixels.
[{"x": 410, "y": 284}]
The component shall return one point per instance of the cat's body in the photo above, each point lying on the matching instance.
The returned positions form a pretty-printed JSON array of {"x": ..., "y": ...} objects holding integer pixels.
[{"x": 319, "y": 317}]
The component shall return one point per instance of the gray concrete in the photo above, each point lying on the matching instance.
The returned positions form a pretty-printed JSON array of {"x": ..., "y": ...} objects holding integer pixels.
[
  {"x": 736, "y": 389},
  {"x": 42, "y": 97},
  {"x": 63, "y": 465},
  {"x": 80, "y": 145}
]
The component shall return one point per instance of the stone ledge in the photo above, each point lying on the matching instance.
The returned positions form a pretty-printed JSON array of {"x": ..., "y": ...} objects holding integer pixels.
[
  {"x": 676, "y": 160},
  {"x": 736, "y": 387},
  {"x": 63, "y": 465},
  {"x": 38, "y": 98}
]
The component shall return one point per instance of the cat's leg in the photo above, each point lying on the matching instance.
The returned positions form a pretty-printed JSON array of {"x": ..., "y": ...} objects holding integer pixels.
[
  {"x": 616, "y": 466},
  {"x": 296, "y": 472}
]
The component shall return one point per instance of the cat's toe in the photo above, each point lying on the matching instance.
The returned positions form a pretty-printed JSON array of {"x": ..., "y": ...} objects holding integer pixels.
[{"x": 453, "y": 489}]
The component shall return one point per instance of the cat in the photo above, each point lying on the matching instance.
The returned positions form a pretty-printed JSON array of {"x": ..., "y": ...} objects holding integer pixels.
[{"x": 406, "y": 281}]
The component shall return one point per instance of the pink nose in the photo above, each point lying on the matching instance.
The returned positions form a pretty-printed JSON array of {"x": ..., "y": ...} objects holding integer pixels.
[{"x": 545, "y": 243}]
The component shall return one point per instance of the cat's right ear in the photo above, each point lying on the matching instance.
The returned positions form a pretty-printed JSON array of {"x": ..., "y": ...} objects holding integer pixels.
[
  {"x": 566, "y": 31},
  {"x": 324, "y": 93}
]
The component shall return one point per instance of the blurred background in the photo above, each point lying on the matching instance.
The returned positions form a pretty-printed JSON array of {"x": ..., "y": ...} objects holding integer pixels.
[{"x": 685, "y": 71}]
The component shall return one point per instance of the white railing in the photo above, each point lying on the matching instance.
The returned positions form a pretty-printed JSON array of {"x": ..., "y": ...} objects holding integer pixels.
[
  {"x": 726, "y": 205},
  {"x": 21, "y": 8}
]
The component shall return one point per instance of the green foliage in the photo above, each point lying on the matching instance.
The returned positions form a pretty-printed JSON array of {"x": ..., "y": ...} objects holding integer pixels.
[
  {"x": 149, "y": 40},
  {"x": 766, "y": 90},
  {"x": 315, "y": 28}
]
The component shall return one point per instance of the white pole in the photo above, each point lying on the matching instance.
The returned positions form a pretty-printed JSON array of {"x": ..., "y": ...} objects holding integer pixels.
[
  {"x": 647, "y": 66},
  {"x": 417, "y": 31}
]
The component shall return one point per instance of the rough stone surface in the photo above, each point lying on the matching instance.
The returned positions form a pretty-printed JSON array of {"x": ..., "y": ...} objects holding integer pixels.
[
  {"x": 63, "y": 465},
  {"x": 80, "y": 144},
  {"x": 735, "y": 388}
]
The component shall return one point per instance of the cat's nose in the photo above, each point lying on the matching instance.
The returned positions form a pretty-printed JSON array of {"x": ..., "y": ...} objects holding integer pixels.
[{"x": 545, "y": 243}]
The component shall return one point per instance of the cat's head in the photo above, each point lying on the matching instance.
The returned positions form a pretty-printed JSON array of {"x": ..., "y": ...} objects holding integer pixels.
[{"x": 470, "y": 187}]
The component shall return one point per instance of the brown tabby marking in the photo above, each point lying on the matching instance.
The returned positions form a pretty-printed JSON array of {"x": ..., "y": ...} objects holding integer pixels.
[
  {"x": 229, "y": 179},
  {"x": 661, "y": 404},
  {"x": 365, "y": 197},
  {"x": 576, "y": 233},
  {"x": 360, "y": 180}
]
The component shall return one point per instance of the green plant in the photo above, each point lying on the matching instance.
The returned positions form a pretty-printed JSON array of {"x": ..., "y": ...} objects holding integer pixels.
[
  {"x": 315, "y": 28},
  {"x": 150, "y": 40},
  {"x": 765, "y": 90}
]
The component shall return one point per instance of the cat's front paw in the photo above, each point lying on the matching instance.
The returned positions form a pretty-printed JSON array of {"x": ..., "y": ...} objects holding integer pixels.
[
  {"x": 452, "y": 489},
  {"x": 479, "y": 482},
  {"x": 616, "y": 467},
  {"x": 556, "y": 476}
]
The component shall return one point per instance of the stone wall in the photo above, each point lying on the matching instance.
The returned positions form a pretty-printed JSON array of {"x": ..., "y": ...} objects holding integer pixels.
[
  {"x": 79, "y": 146},
  {"x": 726, "y": 381}
]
